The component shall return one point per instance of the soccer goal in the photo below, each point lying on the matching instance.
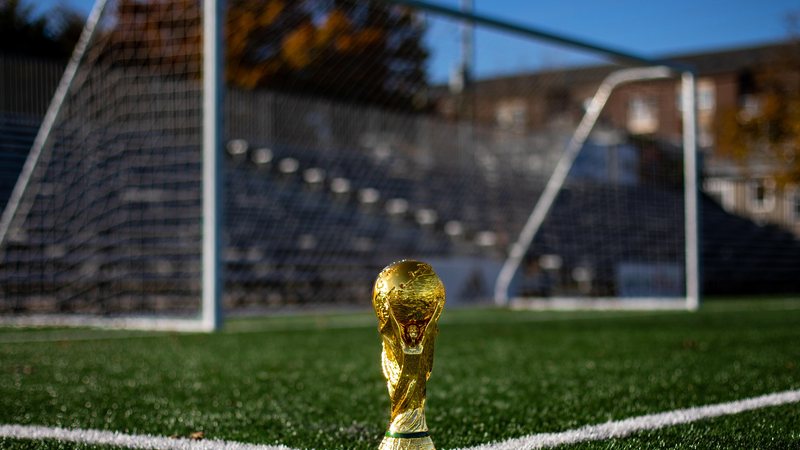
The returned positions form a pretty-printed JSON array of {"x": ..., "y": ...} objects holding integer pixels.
[{"x": 257, "y": 155}]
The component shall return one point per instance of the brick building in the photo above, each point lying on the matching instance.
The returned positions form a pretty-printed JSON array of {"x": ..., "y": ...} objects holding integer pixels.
[{"x": 729, "y": 82}]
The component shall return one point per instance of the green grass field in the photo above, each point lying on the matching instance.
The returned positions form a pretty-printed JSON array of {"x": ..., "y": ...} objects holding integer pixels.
[{"x": 315, "y": 381}]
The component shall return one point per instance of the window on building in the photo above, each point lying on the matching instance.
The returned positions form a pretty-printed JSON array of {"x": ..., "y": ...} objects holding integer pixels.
[
  {"x": 706, "y": 105},
  {"x": 748, "y": 98},
  {"x": 512, "y": 114},
  {"x": 794, "y": 205},
  {"x": 706, "y": 95},
  {"x": 642, "y": 115},
  {"x": 558, "y": 101},
  {"x": 705, "y": 136},
  {"x": 761, "y": 195},
  {"x": 750, "y": 107}
]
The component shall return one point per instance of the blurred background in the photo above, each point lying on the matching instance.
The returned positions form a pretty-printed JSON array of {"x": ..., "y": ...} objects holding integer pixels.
[{"x": 358, "y": 133}]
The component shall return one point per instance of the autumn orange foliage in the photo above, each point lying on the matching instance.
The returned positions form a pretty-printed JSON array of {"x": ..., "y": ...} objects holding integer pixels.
[
  {"x": 766, "y": 129},
  {"x": 363, "y": 51}
]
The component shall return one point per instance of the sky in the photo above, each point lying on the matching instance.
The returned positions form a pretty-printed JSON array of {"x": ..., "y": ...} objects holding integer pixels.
[{"x": 644, "y": 27}]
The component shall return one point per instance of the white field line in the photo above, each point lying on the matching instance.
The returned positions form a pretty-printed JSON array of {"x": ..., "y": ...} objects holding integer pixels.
[
  {"x": 597, "y": 432},
  {"x": 627, "y": 427},
  {"x": 137, "y": 441}
]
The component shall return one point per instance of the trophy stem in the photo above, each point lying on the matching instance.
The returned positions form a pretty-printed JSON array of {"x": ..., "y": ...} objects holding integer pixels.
[{"x": 406, "y": 443}]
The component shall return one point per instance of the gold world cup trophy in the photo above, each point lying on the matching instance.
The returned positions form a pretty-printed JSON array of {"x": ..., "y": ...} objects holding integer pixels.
[{"x": 408, "y": 299}]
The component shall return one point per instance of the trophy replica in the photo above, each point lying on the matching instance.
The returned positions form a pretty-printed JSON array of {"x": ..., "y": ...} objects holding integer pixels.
[{"x": 408, "y": 299}]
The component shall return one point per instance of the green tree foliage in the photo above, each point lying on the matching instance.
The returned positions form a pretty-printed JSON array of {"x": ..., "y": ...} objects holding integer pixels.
[
  {"x": 367, "y": 52},
  {"x": 22, "y": 32}
]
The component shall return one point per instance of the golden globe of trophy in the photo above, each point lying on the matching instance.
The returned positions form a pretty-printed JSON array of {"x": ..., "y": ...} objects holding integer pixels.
[{"x": 408, "y": 299}]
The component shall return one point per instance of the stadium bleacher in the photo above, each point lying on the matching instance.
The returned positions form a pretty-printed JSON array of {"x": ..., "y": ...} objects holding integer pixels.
[
  {"x": 743, "y": 257},
  {"x": 17, "y": 132},
  {"x": 312, "y": 226}
]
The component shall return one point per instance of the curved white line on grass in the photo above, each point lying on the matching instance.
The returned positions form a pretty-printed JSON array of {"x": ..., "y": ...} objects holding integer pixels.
[
  {"x": 598, "y": 432},
  {"x": 627, "y": 427},
  {"x": 137, "y": 441}
]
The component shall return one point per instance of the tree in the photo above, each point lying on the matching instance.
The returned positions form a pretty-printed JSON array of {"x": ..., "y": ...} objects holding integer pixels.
[
  {"x": 347, "y": 49},
  {"x": 764, "y": 129},
  {"x": 53, "y": 35}
]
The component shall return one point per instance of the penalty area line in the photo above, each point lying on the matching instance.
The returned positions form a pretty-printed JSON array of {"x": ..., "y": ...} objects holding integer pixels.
[
  {"x": 626, "y": 427},
  {"x": 608, "y": 430},
  {"x": 135, "y": 441}
]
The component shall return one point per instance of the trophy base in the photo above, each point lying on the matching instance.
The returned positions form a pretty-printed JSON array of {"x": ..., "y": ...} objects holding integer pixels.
[{"x": 393, "y": 443}]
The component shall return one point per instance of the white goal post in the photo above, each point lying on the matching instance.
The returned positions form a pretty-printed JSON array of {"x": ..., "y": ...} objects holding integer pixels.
[
  {"x": 171, "y": 182},
  {"x": 559, "y": 176},
  {"x": 209, "y": 315},
  {"x": 653, "y": 69}
]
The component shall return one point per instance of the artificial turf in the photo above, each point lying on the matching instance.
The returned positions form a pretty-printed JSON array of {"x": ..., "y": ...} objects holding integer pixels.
[
  {"x": 49, "y": 444},
  {"x": 315, "y": 381},
  {"x": 770, "y": 428}
]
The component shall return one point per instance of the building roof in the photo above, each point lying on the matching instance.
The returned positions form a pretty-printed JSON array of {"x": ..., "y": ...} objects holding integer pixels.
[
  {"x": 707, "y": 62},
  {"x": 734, "y": 59}
]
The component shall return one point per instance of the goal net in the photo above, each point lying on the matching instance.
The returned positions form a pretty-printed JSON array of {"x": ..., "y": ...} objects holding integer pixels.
[{"x": 353, "y": 134}]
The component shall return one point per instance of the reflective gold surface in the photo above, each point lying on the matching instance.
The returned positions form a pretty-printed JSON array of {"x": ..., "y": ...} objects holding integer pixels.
[{"x": 408, "y": 299}]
